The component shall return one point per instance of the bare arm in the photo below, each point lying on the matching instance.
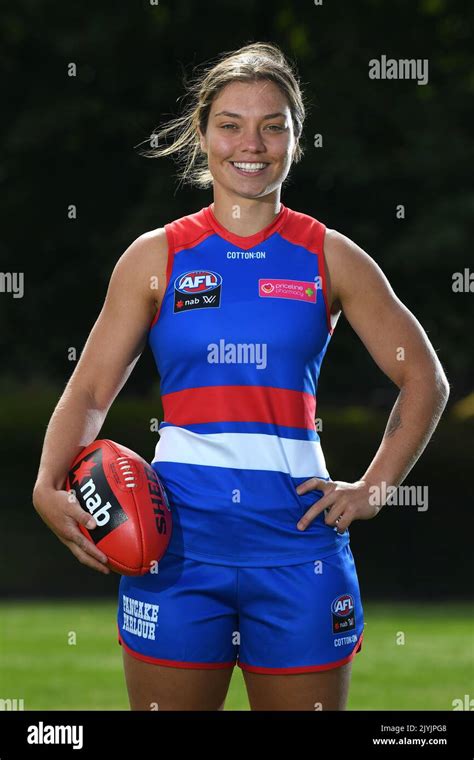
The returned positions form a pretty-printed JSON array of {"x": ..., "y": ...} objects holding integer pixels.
[
  {"x": 111, "y": 351},
  {"x": 400, "y": 347},
  {"x": 109, "y": 356}
]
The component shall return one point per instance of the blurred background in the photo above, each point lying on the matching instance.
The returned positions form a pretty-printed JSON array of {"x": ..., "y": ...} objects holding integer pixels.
[{"x": 73, "y": 140}]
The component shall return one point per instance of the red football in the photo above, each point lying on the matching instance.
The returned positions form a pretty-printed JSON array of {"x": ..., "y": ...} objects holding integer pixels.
[{"x": 128, "y": 502}]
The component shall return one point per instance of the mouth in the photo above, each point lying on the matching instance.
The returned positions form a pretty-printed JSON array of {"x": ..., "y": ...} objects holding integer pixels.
[{"x": 249, "y": 168}]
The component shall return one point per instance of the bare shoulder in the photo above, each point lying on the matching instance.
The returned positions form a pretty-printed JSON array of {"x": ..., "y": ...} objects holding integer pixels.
[
  {"x": 149, "y": 252},
  {"x": 351, "y": 270},
  {"x": 144, "y": 262}
]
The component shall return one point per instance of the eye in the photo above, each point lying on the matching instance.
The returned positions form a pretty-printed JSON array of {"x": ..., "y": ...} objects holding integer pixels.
[
  {"x": 224, "y": 126},
  {"x": 278, "y": 127}
]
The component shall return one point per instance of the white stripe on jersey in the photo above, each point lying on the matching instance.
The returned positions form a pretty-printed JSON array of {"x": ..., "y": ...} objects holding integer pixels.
[{"x": 242, "y": 451}]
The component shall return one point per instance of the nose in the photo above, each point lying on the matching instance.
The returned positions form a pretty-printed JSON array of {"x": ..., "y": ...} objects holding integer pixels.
[{"x": 252, "y": 141}]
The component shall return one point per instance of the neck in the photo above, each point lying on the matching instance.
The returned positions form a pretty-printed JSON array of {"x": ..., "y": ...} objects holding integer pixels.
[{"x": 244, "y": 216}]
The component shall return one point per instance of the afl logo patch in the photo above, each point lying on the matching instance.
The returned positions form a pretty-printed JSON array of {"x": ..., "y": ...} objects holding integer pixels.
[
  {"x": 197, "y": 289},
  {"x": 343, "y": 613}
]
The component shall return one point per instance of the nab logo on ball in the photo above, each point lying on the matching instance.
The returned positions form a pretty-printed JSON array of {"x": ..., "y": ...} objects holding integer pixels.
[
  {"x": 343, "y": 613},
  {"x": 197, "y": 289},
  {"x": 95, "y": 495},
  {"x": 128, "y": 502}
]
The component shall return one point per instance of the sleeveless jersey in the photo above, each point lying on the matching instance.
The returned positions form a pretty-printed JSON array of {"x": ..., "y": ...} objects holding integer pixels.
[{"x": 238, "y": 342}]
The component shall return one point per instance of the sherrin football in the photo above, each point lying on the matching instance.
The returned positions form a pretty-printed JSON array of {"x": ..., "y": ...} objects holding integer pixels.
[{"x": 128, "y": 502}]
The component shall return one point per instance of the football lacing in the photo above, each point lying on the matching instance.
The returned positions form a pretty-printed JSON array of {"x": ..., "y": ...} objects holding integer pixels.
[{"x": 128, "y": 472}]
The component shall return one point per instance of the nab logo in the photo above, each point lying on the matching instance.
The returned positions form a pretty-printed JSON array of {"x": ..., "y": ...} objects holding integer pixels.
[
  {"x": 93, "y": 503},
  {"x": 198, "y": 289},
  {"x": 343, "y": 605},
  {"x": 95, "y": 495}
]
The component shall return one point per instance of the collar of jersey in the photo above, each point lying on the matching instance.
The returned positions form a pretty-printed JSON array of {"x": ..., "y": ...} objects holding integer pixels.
[{"x": 247, "y": 241}]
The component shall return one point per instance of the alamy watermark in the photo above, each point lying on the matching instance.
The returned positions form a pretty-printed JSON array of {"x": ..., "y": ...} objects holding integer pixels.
[
  {"x": 237, "y": 353},
  {"x": 401, "y": 68},
  {"x": 416, "y": 496},
  {"x": 12, "y": 282}
]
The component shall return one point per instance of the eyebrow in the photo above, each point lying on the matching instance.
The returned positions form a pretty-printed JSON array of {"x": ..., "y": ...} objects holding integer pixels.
[{"x": 239, "y": 116}]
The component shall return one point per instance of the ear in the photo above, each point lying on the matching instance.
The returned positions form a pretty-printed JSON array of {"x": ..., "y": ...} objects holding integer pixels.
[{"x": 202, "y": 140}]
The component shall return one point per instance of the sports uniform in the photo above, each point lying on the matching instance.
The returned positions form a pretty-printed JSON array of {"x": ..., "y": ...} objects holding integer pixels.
[{"x": 238, "y": 342}]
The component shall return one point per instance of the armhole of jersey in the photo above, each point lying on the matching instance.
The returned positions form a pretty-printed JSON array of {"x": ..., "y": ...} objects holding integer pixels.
[
  {"x": 322, "y": 272},
  {"x": 169, "y": 269}
]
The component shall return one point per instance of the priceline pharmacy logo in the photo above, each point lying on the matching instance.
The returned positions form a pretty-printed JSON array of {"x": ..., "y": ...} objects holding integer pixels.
[{"x": 402, "y": 68}]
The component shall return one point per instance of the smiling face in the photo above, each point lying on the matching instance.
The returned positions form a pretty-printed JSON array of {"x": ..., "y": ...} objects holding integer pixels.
[{"x": 249, "y": 139}]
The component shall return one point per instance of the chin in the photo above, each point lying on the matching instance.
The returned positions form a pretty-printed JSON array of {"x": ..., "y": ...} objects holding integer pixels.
[
  {"x": 241, "y": 189},
  {"x": 248, "y": 194}
]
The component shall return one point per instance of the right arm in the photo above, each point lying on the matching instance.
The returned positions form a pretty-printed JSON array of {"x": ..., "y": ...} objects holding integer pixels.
[{"x": 112, "y": 349}]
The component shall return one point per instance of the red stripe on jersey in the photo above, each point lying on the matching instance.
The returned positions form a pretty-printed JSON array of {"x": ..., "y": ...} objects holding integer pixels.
[{"x": 240, "y": 403}]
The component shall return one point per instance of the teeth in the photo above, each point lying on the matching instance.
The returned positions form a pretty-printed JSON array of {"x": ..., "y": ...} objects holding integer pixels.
[{"x": 249, "y": 167}]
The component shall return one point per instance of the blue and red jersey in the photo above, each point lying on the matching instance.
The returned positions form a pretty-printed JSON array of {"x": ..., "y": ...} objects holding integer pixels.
[{"x": 238, "y": 341}]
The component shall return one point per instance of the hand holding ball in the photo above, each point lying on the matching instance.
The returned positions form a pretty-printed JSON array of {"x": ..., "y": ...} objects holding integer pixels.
[{"x": 128, "y": 502}]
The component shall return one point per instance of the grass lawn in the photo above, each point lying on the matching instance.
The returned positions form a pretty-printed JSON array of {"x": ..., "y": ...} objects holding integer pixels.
[{"x": 38, "y": 664}]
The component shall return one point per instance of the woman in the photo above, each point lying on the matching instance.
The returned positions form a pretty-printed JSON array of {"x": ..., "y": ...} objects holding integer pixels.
[{"x": 259, "y": 569}]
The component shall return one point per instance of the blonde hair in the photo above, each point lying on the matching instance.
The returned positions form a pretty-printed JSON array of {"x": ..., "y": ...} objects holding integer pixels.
[{"x": 253, "y": 62}]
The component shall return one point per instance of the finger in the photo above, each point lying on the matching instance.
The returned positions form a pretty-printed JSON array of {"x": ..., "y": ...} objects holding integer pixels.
[
  {"x": 315, "y": 509},
  {"x": 80, "y": 515},
  {"x": 86, "y": 545},
  {"x": 342, "y": 523},
  {"x": 86, "y": 559},
  {"x": 313, "y": 484},
  {"x": 339, "y": 517},
  {"x": 335, "y": 514}
]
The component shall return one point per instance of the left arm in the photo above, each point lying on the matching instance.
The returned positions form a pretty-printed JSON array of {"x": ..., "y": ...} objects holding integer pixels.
[{"x": 400, "y": 347}]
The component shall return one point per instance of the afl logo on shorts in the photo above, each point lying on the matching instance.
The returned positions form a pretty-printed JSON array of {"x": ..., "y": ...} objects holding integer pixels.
[
  {"x": 197, "y": 289},
  {"x": 343, "y": 613}
]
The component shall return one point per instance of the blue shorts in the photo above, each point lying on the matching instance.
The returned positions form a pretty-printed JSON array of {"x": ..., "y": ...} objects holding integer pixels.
[{"x": 282, "y": 620}]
